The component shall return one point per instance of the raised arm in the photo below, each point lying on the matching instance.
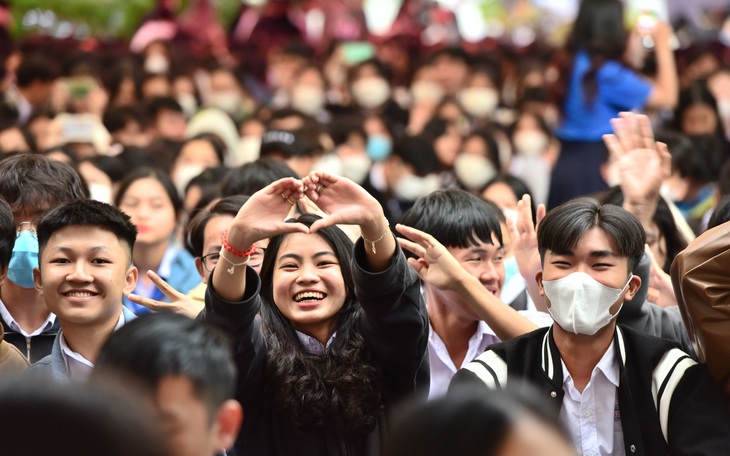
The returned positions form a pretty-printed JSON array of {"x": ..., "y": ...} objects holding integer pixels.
[
  {"x": 346, "y": 203},
  {"x": 436, "y": 266},
  {"x": 524, "y": 244},
  {"x": 642, "y": 162},
  {"x": 263, "y": 216}
]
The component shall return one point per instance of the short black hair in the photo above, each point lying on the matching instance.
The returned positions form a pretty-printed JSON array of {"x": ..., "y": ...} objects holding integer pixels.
[
  {"x": 215, "y": 141},
  {"x": 87, "y": 212},
  {"x": 195, "y": 231},
  {"x": 149, "y": 172},
  {"x": 252, "y": 177},
  {"x": 118, "y": 117},
  {"x": 7, "y": 234},
  {"x": 155, "y": 346},
  {"x": 34, "y": 183},
  {"x": 159, "y": 104},
  {"x": 565, "y": 225},
  {"x": 720, "y": 214},
  {"x": 36, "y": 68},
  {"x": 455, "y": 217}
]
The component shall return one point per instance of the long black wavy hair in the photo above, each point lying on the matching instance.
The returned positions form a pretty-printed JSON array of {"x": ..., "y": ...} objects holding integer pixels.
[{"x": 343, "y": 382}]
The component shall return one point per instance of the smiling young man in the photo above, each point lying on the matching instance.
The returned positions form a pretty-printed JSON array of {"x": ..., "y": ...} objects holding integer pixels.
[
  {"x": 618, "y": 391},
  {"x": 470, "y": 230},
  {"x": 84, "y": 269}
]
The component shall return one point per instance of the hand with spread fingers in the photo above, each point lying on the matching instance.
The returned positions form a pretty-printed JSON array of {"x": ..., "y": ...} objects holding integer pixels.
[
  {"x": 435, "y": 264},
  {"x": 346, "y": 203},
  {"x": 524, "y": 244},
  {"x": 179, "y": 303},
  {"x": 642, "y": 162},
  {"x": 438, "y": 267},
  {"x": 264, "y": 214}
]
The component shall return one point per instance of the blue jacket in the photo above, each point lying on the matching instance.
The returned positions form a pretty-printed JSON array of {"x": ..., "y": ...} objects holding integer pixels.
[{"x": 183, "y": 276}]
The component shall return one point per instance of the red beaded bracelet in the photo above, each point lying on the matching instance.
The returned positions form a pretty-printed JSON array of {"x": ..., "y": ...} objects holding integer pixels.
[{"x": 238, "y": 253}]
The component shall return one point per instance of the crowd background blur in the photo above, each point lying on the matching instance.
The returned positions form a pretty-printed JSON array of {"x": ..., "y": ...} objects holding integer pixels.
[{"x": 403, "y": 97}]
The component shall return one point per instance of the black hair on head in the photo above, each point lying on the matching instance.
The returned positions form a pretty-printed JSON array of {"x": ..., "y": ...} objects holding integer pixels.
[
  {"x": 565, "y": 225},
  {"x": 455, "y": 217},
  {"x": 155, "y": 346},
  {"x": 87, "y": 212},
  {"x": 195, "y": 231},
  {"x": 7, "y": 233},
  {"x": 148, "y": 172},
  {"x": 308, "y": 387},
  {"x": 252, "y": 177}
]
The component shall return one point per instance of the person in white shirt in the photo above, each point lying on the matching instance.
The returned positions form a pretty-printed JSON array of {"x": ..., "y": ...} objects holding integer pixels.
[
  {"x": 459, "y": 329},
  {"x": 84, "y": 269}
]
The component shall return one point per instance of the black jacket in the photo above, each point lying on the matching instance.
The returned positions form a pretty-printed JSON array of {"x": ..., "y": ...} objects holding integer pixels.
[
  {"x": 34, "y": 348},
  {"x": 394, "y": 324},
  {"x": 669, "y": 404}
]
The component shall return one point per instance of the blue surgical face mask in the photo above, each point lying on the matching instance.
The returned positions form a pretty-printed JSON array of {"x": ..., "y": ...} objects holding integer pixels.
[
  {"x": 24, "y": 259},
  {"x": 378, "y": 147},
  {"x": 510, "y": 269}
]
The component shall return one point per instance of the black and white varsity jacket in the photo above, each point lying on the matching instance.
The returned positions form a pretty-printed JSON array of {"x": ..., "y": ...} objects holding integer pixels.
[{"x": 668, "y": 403}]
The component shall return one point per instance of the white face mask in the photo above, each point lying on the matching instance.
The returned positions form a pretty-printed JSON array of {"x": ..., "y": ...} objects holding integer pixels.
[
  {"x": 228, "y": 101},
  {"x": 425, "y": 92},
  {"x": 474, "y": 170},
  {"x": 479, "y": 101},
  {"x": 580, "y": 304},
  {"x": 188, "y": 103},
  {"x": 411, "y": 187},
  {"x": 530, "y": 143},
  {"x": 100, "y": 192},
  {"x": 723, "y": 108},
  {"x": 249, "y": 148},
  {"x": 371, "y": 92},
  {"x": 356, "y": 167},
  {"x": 307, "y": 99},
  {"x": 184, "y": 174},
  {"x": 156, "y": 64},
  {"x": 328, "y": 163}
]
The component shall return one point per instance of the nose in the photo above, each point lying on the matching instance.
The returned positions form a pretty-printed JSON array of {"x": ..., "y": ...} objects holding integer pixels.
[
  {"x": 307, "y": 274},
  {"x": 79, "y": 273},
  {"x": 490, "y": 272}
]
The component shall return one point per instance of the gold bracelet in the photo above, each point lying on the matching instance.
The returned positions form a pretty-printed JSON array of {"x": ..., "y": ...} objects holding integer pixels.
[
  {"x": 382, "y": 236},
  {"x": 233, "y": 267}
]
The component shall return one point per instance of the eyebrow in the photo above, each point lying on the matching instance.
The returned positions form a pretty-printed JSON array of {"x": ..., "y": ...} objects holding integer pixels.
[
  {"x": 593, "y": 254},
  {"x": 299, "y": 257},
  {"x": 96, "y": 249}
]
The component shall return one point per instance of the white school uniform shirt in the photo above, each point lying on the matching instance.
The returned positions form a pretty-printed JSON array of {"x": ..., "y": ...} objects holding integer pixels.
[{"x": 592, "y": 417}]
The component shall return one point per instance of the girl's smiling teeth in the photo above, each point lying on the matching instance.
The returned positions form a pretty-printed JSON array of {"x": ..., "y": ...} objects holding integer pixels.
[{"x": 309, "y": 296}]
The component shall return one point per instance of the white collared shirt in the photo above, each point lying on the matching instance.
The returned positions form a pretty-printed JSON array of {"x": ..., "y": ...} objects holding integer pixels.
[
  {"x": 78, "y": 367},
  {"x": 16, "y": 327},
  {"x": 312, "y": 345},
  {"x": 592, "y": 417},
  {"x": 442, "y": 366}
]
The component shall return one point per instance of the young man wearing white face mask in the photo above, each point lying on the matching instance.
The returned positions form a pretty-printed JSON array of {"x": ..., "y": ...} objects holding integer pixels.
[{"x": 618, "y": 391}]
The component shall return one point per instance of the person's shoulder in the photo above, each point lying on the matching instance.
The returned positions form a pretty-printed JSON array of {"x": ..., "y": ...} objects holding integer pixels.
[{"x": 42, "y": 367}]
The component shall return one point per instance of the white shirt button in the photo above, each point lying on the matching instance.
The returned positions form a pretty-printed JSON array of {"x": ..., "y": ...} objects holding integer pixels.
[{"x": 633, "y": 448}]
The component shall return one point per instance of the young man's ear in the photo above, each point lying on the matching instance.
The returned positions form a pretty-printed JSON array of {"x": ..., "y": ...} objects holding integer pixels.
[
  {"x": 130, "y": 280},
  {"x": 201, "y": 270},
  {"x": 538, "y": 279},
  {"x": 229, "y": 419},
  {"x": 633, "y": 288},
  {"x": 37, "y": 279}
]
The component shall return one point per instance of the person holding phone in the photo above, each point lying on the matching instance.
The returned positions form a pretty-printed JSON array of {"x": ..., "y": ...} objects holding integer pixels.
[{"x": 592, "y": 84}]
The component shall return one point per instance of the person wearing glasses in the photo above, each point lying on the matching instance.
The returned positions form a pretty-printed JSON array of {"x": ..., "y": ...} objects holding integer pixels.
[{"x": 202, "y": 235}]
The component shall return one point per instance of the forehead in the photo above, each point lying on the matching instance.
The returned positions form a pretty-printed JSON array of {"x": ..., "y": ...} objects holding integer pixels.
[
  {"x": 145, "y": 187},
  {"x": 303, "y": 245},
  {"x": 594, "y": 240},
  {"x": 84, "y": 237},
  {"x": 214, "y": 227},
  {"x": 480, "y": 245}
]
